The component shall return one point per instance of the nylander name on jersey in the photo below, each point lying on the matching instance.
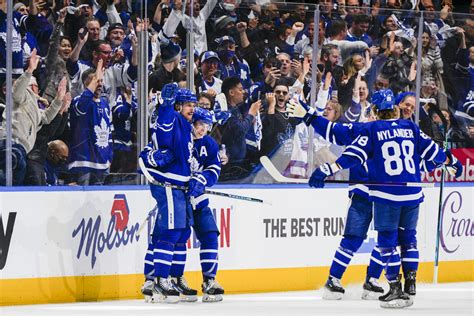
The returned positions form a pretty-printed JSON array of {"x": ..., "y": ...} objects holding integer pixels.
[
  {"x": 390, "y": 134},
  {"x": 393, "y": 150},
  {"x": 206, "y": 153}
]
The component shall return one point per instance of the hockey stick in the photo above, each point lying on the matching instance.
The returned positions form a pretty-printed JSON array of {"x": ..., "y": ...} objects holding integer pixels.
[
  {"x": 441, "y": 193},
  {"x": 143, "y": 224},
  {"x": 152, "y": 180},
  {"x": 277, "y": 176}
]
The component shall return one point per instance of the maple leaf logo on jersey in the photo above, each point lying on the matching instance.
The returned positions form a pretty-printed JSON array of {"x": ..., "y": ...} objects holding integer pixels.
[
  {"x": 102, "y": 134},
  {"x": 394, "y": 124}
]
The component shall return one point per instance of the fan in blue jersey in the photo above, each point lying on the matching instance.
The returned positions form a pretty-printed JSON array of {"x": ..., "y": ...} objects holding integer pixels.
[
  {"x": 90, "y": 145},
  {"x": 168, "y": 158},
  {"x": 393, "y": 149}
]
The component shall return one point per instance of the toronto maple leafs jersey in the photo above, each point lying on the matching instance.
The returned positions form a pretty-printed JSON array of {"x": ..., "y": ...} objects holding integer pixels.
[
  {"x": 393, "y": 150},
  {"x": 343, "y": 135},
  {"x": 236, "y": 69},
  {"x": 172, "y": 131},
  {"x": 215, "y": 84},
  {"x": 17, "y": 52},
  {"x": 206, "y": 154},
  {"x": 123, "y": 114},
  {"x": 90, "y": 146}
]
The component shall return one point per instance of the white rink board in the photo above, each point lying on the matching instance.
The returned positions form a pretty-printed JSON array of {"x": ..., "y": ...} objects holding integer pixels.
[{"x": 253, "y": 235}]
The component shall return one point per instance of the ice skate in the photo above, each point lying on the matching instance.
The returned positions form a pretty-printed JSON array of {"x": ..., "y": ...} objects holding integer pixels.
[
  {"x": 187, "y": 294},
  {"x": 395, "y": 298},
  {"x": 164, "y": 291},
  {"x": 333, "y": 289},
  {"x": 147, "y": 291},
  {"x": 410, "y": 283},
  {"x": 371, "y": 290},
  {"x": 212, "y": 291}
]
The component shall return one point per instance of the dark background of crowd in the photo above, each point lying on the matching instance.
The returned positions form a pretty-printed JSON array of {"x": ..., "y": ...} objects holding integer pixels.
[{"x": 250, "y": 58}]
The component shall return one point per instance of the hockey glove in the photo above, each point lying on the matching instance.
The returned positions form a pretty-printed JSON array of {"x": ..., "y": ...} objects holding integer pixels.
[
  {"x": 168, "y": 94},
  {"x": 454, "y": 167},
  {"x": 197, "y": 185},
  {"x": 221, "y": 117},
  {"x": 319, "y": 175},
  {"x": 159, "y": 158},
  {"x": 299, "y": 109}
]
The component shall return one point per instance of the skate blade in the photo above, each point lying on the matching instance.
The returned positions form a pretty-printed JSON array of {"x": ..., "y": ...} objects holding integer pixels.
[
  {"x": 397, "y": 303},
  {"x": 370, "y": 295},
  {"x": 160, "y": 298},
  {"x": 207, "y": 298},
  {"x": 188, "y": 298},
  {"x": 332, "y": 296},
  {"x": 148, "y": 298}
]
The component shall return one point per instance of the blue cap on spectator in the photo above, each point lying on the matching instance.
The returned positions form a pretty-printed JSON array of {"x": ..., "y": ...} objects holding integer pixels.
[
  {"x": 209, "y": 55},
  {"x": 223, "y": 39},
  {"x": 185, "y": 52},
  {"x": 169, "y": 51}
]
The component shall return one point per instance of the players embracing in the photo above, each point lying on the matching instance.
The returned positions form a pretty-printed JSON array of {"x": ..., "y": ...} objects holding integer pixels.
[{"x": 180, "y": 153}]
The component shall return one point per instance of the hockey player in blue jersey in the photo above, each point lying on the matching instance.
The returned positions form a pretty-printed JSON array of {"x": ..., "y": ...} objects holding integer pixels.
[
  {"x": 359, "y": 214},
  {"x": 204, "y": 174},
  {"x": 393, "y": 149},
  {"x": 168, "y": 158}
]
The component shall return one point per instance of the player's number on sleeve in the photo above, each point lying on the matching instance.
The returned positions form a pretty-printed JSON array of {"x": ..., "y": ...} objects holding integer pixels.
[{"x": 398, "y": 157}]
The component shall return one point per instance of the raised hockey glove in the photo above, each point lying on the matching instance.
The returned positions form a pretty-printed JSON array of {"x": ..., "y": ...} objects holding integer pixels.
[
  {"x": 299, "y": 109},
  {"x": 454, "y": 167},
  {"x": 221, "y": 117},
  {"x": 319, "y": 175},
  {"x": 168, "y": 94},
  {"x": 197, "y": 185}
]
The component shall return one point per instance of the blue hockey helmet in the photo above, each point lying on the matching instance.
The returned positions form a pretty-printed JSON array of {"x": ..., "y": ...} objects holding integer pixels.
[
  {"x": 383, "y": 99},
  {"x": 185, "y": 96},
  {"x": 203, "y": 115}
]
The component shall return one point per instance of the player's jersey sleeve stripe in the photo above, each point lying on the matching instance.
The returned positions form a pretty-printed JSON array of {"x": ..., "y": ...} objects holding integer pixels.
[
  {"x": 354, "y": 148},
  {"x": 427, "y": 149},
  {"x": 434, "y": 154},
  {"x": 329, "y": 130}
]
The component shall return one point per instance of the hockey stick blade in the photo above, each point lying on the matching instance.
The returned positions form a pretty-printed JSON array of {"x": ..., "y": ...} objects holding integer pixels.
[
  {"x": 277, "y": 176},
  {"x": 152, "y": 180}
]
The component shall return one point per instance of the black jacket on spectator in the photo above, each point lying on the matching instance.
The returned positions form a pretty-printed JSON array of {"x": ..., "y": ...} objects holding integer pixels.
[
  {"x": 160, "y": 77},
  {"x": 35, "y": 174}
]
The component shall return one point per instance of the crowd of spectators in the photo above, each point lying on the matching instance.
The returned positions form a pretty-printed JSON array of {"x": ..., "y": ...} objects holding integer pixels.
[{"x": 75, "y": 66}]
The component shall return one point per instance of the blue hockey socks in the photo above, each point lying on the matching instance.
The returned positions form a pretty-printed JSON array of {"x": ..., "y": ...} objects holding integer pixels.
[{"x": 209, "y": 254}]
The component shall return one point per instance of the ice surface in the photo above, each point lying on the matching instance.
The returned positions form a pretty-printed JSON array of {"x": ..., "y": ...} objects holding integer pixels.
[{"x": 432, "y": 299}]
